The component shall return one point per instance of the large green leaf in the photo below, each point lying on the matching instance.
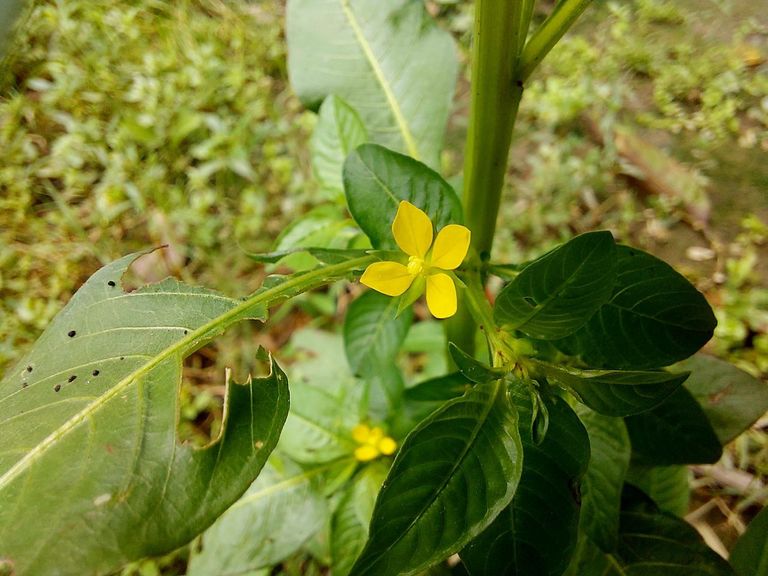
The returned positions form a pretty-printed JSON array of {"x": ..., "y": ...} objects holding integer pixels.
[
  {"x": 454, "y": 473},
  {"x": 675, "y": 432},
  {"x": 372, "y": 337},
  {"x": 387, "y": 59},
  {"x": 281, "y": 510},
  {"x": 667, "y": 486},
  {"x": 91, "y": 471},
  {"x": 325, "y": 400},
  {"x": 338, "y": 132},
  {"x": 654, "y": 318},
  {"x": 731, "y": 398},
  {"x": 349, "y": 527},
  {"x": 556, "y": 294},
  {"x": 651, "y": 543},
  {"x": 750, "y": 554},
  {"x": 615, "y": 393},
  {"x": 602, "y": 484},
  {"x": 535, "y": 535},
  {"x": 377, "y": 179}
]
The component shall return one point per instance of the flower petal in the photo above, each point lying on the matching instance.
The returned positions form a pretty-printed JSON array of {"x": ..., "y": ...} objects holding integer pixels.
[
  {"x": 412, "y": 230},
  {"x": 366, "y": 453},
  {"x": 441, "y": 295},
  {"x": 451, "y": 247},
  {"x": 390, "y": 278}
]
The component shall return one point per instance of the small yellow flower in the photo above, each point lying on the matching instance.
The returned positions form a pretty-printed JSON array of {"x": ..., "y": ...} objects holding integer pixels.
[
  {"x": 373, "y": 443},
  {"x": 413, "y": 232}
]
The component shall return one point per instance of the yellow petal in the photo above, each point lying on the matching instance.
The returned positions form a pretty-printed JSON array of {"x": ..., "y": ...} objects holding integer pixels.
[
  {"x": 451, "y": 247},
  {"x": 360, "y": 433},
  {"x": 390, "y": 278},
  {"x": 366, "y": 453},
  {"x": 375, "y": 435},
  {"x": 387, "y": 446},
  {"x": 412, "y": 230},
  {"x": 441, "y": 295}
]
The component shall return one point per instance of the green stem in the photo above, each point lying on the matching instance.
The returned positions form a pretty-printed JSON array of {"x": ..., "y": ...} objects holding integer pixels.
[
  {"x": 548, "y": 34},
  {"x": 495, "y": 101}
]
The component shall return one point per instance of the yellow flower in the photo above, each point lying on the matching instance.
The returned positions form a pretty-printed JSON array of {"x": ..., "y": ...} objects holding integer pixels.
[
  {"x": 413, "y": 232},
  {"x": 373, "y": 443}
]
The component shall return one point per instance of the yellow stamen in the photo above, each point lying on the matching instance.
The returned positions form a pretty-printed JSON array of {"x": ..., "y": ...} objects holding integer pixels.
[{"x": 415, "y": 265}]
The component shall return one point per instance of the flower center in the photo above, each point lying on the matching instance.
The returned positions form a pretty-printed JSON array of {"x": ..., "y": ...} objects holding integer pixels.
[{"x": 415, "y": 265}]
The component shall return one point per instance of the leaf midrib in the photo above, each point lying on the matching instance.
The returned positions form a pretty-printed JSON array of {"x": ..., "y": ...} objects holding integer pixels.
[
  {"x": 449, "y": 477},
  {"x": 194, "y": 338},
  {"x": 400, "y": 120}
]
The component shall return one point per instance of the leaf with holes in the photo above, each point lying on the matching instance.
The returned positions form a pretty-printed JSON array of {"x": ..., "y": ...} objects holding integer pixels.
[
  {"x": 537, "y": 532},
  {"x": 88, "y": 429},
  {"x": 377, "y": 179},
  {"x": 556, "y": 294},
  {"x": 281, "y": 510},
  {"x": 387, "y": 59},
  {"x": 616, "y": 393},
  {"x": 454, "y": 473},
  {"x": 338, "y": 132},
  {"x": 655, "y": 317}
]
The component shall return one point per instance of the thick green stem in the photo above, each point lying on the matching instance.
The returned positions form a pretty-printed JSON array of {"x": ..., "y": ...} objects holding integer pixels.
[{"x": 495, "y": 100}]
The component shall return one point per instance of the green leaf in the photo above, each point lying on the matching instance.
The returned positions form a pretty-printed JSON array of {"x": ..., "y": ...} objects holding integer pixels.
[
  {"x": 389, "y": 61},
  {"x": 556, "y": 294},
  {"x": 349, "y": 527},
  {"x": 372, "y": 337},
  {"x": 472, "y": 369},
  {"x": 281, "y": 510},
  {"x": 325, "y": 401},
  {"x": 536, "y": 533},
  {"x": 667, "y": 486},
  {"x": 652, "y": 540},
  {"x": 732, "y": 399},
  {"x": 750, "y": 554},
  {"x": 338, "y": 132},
  {"x": 454, "y": 473},
  {"x": 377, "y": 179},
  {"x": 88, "y": 432},
  {"x": 602, "y": 484},
  {"x": 439, "y": 389},
  {"x": 675, "y": 432},
  {"x": 615, "y": 393},
  {"x": 654, "y": 318}
]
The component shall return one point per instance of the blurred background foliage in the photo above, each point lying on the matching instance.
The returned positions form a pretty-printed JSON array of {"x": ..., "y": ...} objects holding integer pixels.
[{"x": 136, "y": 123}]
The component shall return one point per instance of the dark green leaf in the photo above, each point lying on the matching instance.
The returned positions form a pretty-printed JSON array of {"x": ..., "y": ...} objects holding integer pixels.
[
  {"x": 655, "y": 542},
  {"x": 325, "y": 401},
  {"x": 731, "y": 398},
  {"x": 377, "y": 179},
  {"x": 556, "y": 294},
  {"x": 750, "y": 554},
  {"x": 454, "y": 473},
  {"x": 615, "y": 393},
  {"x": 281, "y": 510},
  {"x": 667, "y": 486},
  {"x": 654, "y": 318},
  {"x": 339, "y": 130},
  {"x": 388, "y": 60},
  {"x": 99, "y": 388},
  {"x": 602, "y": 484},
  {"x": 536, "y": 533},
  {"x": 675, "y": 432},
  {"x": 440, "y": 389},
  {"x": 349, "y": 528},
  {"x": 472, "y": 369}
]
